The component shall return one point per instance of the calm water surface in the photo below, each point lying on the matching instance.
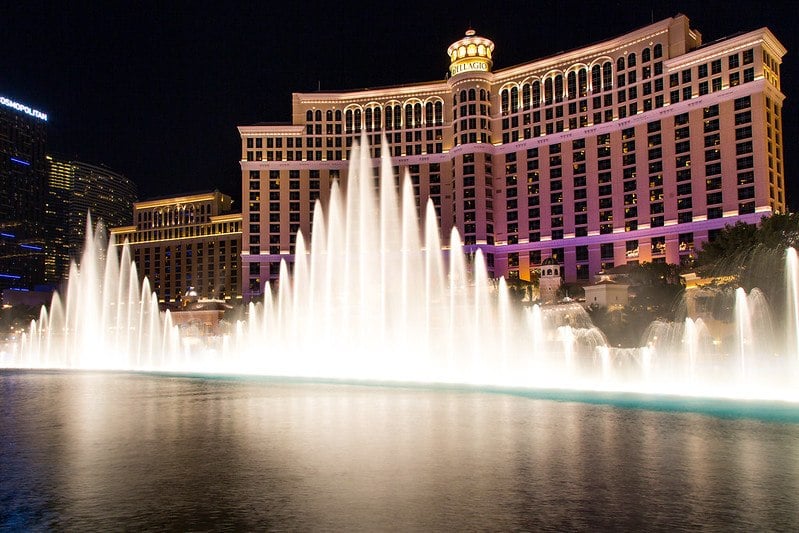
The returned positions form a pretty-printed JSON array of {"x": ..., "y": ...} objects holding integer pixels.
[{"x": 124, "y": 451}]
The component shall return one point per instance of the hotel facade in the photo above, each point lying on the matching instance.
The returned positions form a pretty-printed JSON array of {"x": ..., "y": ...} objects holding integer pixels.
[
  {"x": 76, "y": 189},
  {"x": 23, "y": 195},
  {"x": 638, "y": 148},
  {"x": 186, "y": 242}
]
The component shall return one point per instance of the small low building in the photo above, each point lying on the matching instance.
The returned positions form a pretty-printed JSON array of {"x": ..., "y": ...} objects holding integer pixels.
[
  {"x": 199, "y": 317},
  {"x": 606, "y": 293}
]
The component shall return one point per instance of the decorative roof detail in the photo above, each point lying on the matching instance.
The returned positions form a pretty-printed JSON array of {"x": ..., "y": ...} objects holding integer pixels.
[{"x": 470, "y": 54}]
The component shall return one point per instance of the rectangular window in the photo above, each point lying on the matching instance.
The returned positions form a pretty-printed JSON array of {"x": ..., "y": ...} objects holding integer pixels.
[
  {"x": 743, "y": 103},
  {"x": 743, "y": 118},
  {"x": 744, "y": 163},
  {"x": 746, "y": 193}
]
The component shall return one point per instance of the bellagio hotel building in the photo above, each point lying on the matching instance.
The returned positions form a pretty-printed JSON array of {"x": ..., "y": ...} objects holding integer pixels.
[{"x": 638, "y": 148}]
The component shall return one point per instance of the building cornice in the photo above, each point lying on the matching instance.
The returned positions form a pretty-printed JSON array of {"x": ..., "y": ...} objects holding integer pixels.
[
  {"x": 162, "y": 202},
  {"x": 726, "y": 47},
  {"x": 587, "y": 54},
  {"x": 420, "y": 90}
]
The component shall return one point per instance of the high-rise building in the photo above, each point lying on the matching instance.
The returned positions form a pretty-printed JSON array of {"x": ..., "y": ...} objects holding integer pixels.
[
  {"x": 638, "y": 148},
  {"x": 23, "y": 181},
  {"x": 75, "y": 189},
  {"x": 191, "y": 241}
]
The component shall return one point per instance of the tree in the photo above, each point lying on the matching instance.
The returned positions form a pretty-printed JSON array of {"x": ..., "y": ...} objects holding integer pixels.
[
  {"x": 574, "y": 291},
  {"x": 518, "y": 289},
  {"x": 754, "y": 256}
]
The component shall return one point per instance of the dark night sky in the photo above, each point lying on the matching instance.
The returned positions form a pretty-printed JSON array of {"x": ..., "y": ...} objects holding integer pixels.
[{"x": 156, "y": 91}]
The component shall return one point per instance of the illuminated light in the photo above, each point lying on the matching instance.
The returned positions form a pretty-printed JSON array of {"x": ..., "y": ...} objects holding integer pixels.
[
  {"x": 476, "y": 65},
  {"x": 30, "y": 247},
  {"x": 8, "y": 235},
  {"x": 9, "y": 276},
  {"x": 20, "y": 161},
  {"x": 22, "y": 107}
]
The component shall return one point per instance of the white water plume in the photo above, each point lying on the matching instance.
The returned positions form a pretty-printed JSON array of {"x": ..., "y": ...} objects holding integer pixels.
[{"x": 380, "y": 295}]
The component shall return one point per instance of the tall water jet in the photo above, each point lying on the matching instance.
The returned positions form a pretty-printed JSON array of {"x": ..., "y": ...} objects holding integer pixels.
[{"x": 379, "y": 294}]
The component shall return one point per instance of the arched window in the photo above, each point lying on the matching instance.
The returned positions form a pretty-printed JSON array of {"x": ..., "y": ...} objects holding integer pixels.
[
  {"x": 582, "y": 81},
  {"x": 645, "y": 55},
  {"x": 329, "y": 115},
  {"x": 483, "y": 95},
  {"x": 526, "y": 96},
  {"x": 548, "y": 91},
  {"x": 472, "y": 95},
  {"x": 463, "y": 95},
  {"x": 309, "y": 116},
  {"x": 620, "y": 63},
  {"x": 338, "y": 115},
  {"x": 454, "y": 100},
  {"x": 348, "y": 116},
  {"x": 439, "y": 114},
  {"x": 607, "y": 76},
  {"x": 658, "y": 51},
  {"x": 536, "y": 94},
  {"x": 559, "y": 88},
  {"x": 318, "y": 114},
  {"x": 368, "y": 118},
  {"x": 514, "y": 99},
  {"x": 571, "y": 83},
  {"x": 389, "y": 118},
  {"x": 417, "y": 115},
  {"x": 378, "y": 119},
  {"x": 505, "y": 101},
  {"x": 428, "y": 114},
  {"x": 357, "y": 120},
  {"x": 397, "y": 116},
  {"x": 631, "y": 60},
  {"x": 408, "y": 115},
  {"x": 596, "y": 79}
]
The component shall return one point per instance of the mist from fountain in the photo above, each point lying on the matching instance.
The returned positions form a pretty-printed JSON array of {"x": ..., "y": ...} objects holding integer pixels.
[{"x": 377, "y": 297}]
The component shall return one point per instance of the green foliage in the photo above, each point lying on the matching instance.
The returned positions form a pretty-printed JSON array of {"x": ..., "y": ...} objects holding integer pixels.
[
  {"x": 622, "y": 326},
  {"x": 518, "y": 289},
  {"x": 657, "y": 288},
  {"x": 753, "y": 255},
  {"x": 575, "y": 291}
]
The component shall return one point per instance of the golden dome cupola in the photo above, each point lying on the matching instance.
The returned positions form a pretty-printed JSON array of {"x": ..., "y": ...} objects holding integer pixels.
[{"x": 470, "y": 54}]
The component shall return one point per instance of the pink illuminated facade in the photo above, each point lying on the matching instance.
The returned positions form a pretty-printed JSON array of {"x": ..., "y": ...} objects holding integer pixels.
[{"x": 638, "y": 148}]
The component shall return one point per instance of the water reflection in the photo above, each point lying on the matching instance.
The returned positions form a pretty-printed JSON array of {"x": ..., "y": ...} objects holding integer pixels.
[{"x": 103, "y": 451}]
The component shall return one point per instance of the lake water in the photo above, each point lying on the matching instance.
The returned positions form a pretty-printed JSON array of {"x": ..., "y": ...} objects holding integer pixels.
[{"x": 98, "y": 451}]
